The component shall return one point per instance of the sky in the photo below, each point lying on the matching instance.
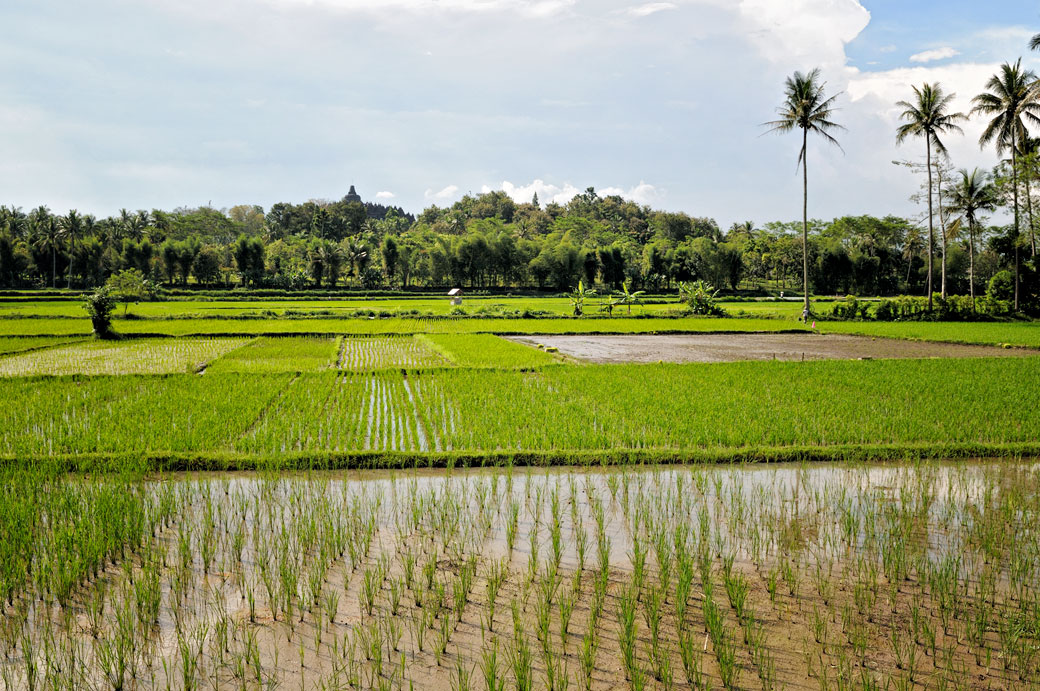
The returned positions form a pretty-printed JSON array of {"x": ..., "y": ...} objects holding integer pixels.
[{"x": 181, "y": 103}]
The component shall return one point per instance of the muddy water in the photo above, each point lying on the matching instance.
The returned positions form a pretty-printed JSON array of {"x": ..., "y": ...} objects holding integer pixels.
[
  {"x": 738, "y": 347},
  {"x": 757, "y": 519}
]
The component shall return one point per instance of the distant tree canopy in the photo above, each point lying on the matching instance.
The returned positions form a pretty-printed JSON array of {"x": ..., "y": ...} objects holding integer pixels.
[{"x": 485, "y": 240}]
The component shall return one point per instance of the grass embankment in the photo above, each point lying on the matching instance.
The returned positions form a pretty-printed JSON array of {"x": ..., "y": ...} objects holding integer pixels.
[
  {"x": 274, "y": 326},
  {"x": 652, "y": 413},
  {"x": 1017, "y": 334}
]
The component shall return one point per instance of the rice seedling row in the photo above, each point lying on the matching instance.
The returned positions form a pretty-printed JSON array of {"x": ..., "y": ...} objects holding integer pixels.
[
  {"x": 487, "y": 351},
  {"x": 387, "y": 352},
  {"x": 267, "y": 355},
  {"x": 150, "y": 356},
  {"x": 812, "y": 576},
  {"x": 130, "y": 416},
  {"x": 733, "y": 406},
  {"x": 23, "y": 344}
]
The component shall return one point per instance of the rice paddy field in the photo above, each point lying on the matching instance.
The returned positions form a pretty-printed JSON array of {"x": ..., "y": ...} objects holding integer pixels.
[{"x": 419, "y": 502}]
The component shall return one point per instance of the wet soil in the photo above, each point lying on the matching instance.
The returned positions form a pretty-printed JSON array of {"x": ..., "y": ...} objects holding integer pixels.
[{"x": 641, "y": 348}]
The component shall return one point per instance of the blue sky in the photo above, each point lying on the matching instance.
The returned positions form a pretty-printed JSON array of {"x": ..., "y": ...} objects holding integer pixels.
[{"x": 166, "y": 103}]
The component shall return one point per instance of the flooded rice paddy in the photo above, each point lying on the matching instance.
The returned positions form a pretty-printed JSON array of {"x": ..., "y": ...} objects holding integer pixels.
[{"x": 795, "y": 576}]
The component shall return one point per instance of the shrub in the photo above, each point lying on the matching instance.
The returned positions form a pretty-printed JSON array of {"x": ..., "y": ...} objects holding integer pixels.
[
  {"x": 1001, "y": 286},
  {"x": 99, "y": 305}
]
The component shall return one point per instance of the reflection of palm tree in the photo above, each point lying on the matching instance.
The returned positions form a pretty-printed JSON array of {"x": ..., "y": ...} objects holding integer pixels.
[
  {"x": 805, "y": 108},
  {"x": 928, "y": 116},
  {"x": 1011, "y": 96},
  {"x": 971, "y": 193}
]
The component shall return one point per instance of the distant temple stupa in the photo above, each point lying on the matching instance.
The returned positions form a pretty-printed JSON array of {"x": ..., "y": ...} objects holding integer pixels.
[{"x": 352, "y": 196}]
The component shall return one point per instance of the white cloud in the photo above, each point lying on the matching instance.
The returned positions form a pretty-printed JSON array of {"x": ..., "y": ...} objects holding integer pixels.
[
  {"x": 384, "y": 195},
  {"x": 643, "y": 193},
  {"x": 646, "y": 9},
  {"x": 530, "y": 8},
  {"x": 446, "y": 193},
  {"x": 802, "y": 31},
  {"x": 935, "y": 54}
]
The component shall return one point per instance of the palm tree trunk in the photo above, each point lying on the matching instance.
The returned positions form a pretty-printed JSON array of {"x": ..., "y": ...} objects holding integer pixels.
[
  {"x": 971, "y": 261},
  {"x": 942, "y": 229},
  {"x": 1029, "y": 216},
  {"x": 805, "y": 220},
  {"x": 72, "y": 254},
  {"x": 54, "y": 267},
  {"x": 931, "y": 227},
  {"x": 1014, "y": 187}
]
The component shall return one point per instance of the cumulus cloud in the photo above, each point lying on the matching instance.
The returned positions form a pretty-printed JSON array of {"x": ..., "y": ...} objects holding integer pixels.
[
  {"x": 643, "y": 193},
  {"x": 445, "y": 193},
  {"x": 531, "y": 8},
  {"x": 797, "y": 31},
  {"x": 935, "y": 54},
  {"x": 384, "y": 195},
  {"x": 646, "y": 9}
]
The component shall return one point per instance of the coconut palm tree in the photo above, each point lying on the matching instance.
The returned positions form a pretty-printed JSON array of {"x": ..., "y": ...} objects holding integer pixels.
[
  {"x": 72, "y": 230},
  {"x": 805, "y": 107},
  {"x": 928, "y": 116},
  {"x": 1029, "y": 157},
  {"x": 1034, "y": 43},
  {"x": 1011, "y": 98},
  {"x": 911, "y": 246},
  {"x": 971, "y": 194},
  {"x": 46, "y": 237}
]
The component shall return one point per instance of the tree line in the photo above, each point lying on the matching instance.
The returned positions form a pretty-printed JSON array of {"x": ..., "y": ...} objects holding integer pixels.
[{"x": 488, "y": 240}]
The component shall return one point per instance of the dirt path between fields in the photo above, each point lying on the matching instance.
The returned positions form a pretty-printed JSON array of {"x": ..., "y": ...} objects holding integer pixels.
[{"x": 753, "y": 346}]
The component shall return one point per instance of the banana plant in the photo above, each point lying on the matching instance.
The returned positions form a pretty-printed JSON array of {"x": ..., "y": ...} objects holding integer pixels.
[
  {"x": 629, "y": 298},
  {"x": 700, "y": 298},
  {"x": 578, "y": 297}
]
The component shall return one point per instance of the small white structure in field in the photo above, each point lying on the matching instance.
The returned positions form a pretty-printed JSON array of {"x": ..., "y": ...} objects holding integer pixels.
[{"x": 456, "y": 296}]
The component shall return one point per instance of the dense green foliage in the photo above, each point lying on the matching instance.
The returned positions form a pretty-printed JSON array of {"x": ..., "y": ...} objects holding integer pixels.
[{"x": 489, "y": 241}]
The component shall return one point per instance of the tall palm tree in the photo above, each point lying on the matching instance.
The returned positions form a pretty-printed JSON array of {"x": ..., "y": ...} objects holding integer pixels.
[
  {"x": 1030, "y": 157},
  {"x": 71, "y": 230},
  {"x": 911, "y": 246},
  {"x": 805, "y": 107},
  {"x": 971, "y": 194},
  {"x": 1011, "y": 98},
  {"x": 928, "y": 116},
  {"x": 46, "y": 237}
]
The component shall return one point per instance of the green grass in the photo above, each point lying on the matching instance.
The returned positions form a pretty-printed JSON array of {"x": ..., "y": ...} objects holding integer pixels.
[
  {"x": 266, "y": 355},
  {"x": 21, "y": 344},
  {"x": 131, "y": 415},
  {"x": 144, "y": 356},
  {"x": 258, "y": 327},
  {"x": 374, "y": 353},
  {"x": 1020, "y": 334},
  {"x": 177, "y": 308},
  {"x": 680, "y": 412},
  {"x": 488, "y": 351}
]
